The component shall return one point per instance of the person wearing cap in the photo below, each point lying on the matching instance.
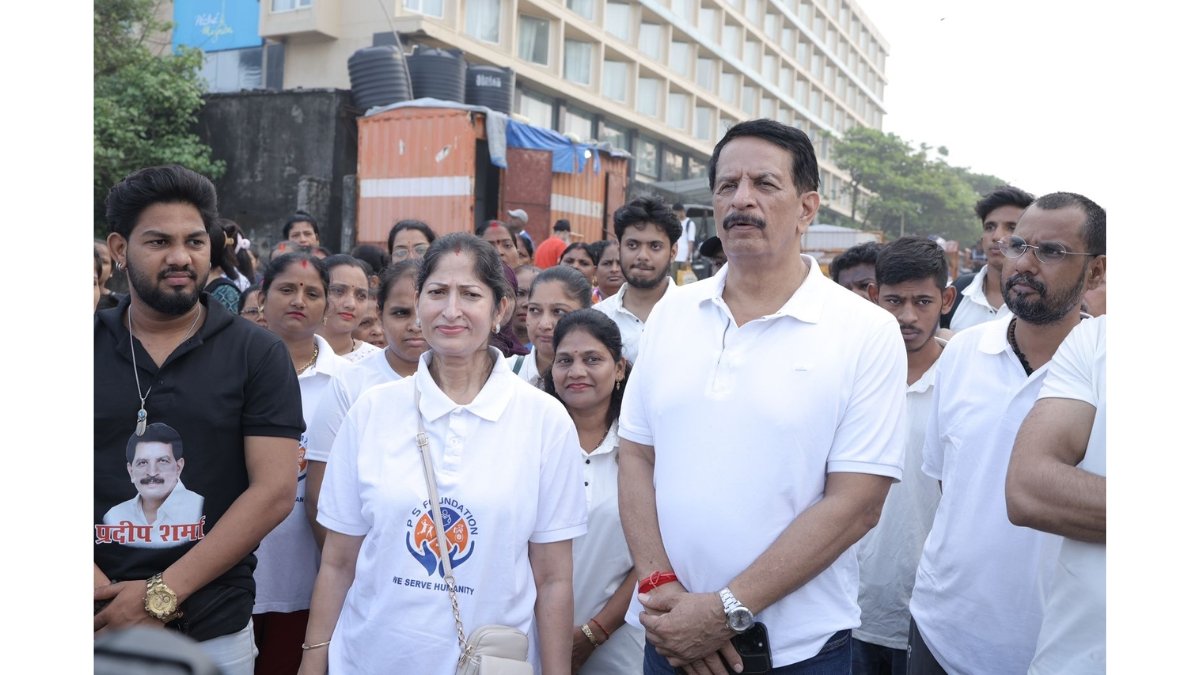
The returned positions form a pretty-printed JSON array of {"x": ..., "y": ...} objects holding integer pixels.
[
  {"x": 549, "y": 251},
  {"x": 711, "y": 249},
  {"x": 518, "y": 220}
]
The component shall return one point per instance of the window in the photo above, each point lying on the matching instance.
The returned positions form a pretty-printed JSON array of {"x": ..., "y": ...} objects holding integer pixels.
[
  {"x": 577, "y": 61},
  {"x": 584, "y": 8},
  {"x": 289, "y": 5},
  {"x": 680, "y": 58},
  {"x": 752, "y": 55},
  {"x": 770, "y": 67},
  {"x": 672, "y": 168},
  {"x": 677, "y": 105},
  {"x": 704, "y": 123},
  {"x": 708, "y": 23},
  {"x": 233, "y": 69},
  {"x": 787, "y": 42},
  {"x": 614, "y": 135},
  {"x": 768, "y": 107},
  {"x": 483, "y": 20},
  {"x": 534, "y": 42},
  {"x": 537, "y": 108},
  {"x": 615, "y": 80},
  {"x": 706, "y": 73},
  {"x": 426, "y": 7},
  {"x": 771, "y": 25},
  {"x": 650, "y": 40},
  {"x": 729, "y": 87},
  {"x": 647, "y": 159},
  {"x": 648, "y": 94},
  {"x": 749, "y": 100},
  {"x": 805, "y": 13},
  {"x": 577, "y": 122},
  {"x": 683, "y": 8},
  {"x": 787, "y": 80},
  {"x": 617, "y": 19},
  {"x": 802, "y": 50},
  {"x": 731, "y": 39},
  {"x": 750, "y": 11}
]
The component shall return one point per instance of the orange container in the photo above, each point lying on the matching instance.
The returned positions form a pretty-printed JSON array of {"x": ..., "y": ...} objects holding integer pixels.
[{"x": 432, "y": 164}]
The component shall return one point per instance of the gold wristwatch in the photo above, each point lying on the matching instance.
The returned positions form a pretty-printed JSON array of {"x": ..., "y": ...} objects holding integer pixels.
[{"x": 161, "y": 602}]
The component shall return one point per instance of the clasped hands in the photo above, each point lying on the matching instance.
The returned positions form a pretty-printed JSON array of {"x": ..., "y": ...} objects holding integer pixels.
[{"x": 689, "y": 630}]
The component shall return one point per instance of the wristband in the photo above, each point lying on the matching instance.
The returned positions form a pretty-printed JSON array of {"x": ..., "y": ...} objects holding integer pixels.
[
  {"x": 587, "y": 632},
  {"x": 655, "y": 580}
]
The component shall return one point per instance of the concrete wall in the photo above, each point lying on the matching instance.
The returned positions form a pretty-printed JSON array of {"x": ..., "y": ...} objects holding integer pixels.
[{"x": 283, "y": 151}]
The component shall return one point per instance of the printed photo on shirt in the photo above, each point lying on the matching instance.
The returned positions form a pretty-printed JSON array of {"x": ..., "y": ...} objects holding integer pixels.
[{"x": 163, "y": 513}]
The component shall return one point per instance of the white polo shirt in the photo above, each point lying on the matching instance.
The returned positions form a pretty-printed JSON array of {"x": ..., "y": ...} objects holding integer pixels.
[
  {"x": 288, "y": 556},
  {"x": 528, "y": 370},
  {"x": 974, "y": 308},
  {"x": 746, "y": 422},
  {"x": 362, "y": 351},
  {"x": 347, "y": 385},
  {"x": 888, "y": 554},
  {"x": 601, "y": 561},
  {"x": 1071, "y": 641},
  {"x": 631, "y": 327},
  {"x": 975, "y": 599},
  {"x": 508, "y": 474}
]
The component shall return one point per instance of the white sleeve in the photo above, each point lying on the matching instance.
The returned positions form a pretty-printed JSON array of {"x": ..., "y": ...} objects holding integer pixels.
[
  {"x": 933, "y": 451},
  {"x": 327, "y": 419},
  {"x": 340, "y": 506},
  {"x": 634, "y": 421},
  {"x": 562, "y": 501},
  {"x": 870, "y": 435},
  {"x": 1071, "y": 373}
]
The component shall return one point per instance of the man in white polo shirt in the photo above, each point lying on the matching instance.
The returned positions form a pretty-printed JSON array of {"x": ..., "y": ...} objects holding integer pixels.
[
  {"x": 1056, "y": 484},
  {"x": 976, "y": 606},
  {"x": 647, "y": 236},
  {"x": 747, "y": 475}
]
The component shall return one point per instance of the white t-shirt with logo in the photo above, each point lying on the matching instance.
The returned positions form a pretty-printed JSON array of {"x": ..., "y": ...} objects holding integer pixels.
[{"x": 508, "y": 474}]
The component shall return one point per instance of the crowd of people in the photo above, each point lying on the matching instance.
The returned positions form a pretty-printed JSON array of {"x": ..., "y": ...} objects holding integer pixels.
[{"x": 391, "y": 448}]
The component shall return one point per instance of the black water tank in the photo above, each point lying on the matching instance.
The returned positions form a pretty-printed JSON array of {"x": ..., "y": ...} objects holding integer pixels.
[
  {"x": 438, "y": 73},
  {"x": 490, "y": 86},
  {"x": 379, "y": 76}
]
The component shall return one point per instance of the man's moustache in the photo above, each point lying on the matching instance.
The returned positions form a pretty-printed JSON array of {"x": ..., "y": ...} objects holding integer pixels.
[
  {"x": 742, "y": 219},
  {"x": 152, "y": 479}
]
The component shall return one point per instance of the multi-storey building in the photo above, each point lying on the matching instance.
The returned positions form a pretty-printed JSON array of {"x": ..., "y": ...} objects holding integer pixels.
[{"x": 661, "y": 79}]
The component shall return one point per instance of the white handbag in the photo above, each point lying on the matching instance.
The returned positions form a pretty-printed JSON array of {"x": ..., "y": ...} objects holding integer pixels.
[{"x": 491, "y": 649}]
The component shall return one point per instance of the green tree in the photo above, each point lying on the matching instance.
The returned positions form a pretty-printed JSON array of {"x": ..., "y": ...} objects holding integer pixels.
[{"x": 145, "y": 103}]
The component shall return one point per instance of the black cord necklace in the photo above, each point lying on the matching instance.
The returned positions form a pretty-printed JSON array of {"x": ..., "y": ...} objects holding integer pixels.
[{"x": 1012, "y": 341}]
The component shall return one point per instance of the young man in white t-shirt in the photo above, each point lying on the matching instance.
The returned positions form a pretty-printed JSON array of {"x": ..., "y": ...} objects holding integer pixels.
[{"x": 687, "y": 241}]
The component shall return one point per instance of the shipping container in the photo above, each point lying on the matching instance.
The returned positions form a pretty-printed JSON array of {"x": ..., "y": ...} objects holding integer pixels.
[{"x": 433, "y": 164}]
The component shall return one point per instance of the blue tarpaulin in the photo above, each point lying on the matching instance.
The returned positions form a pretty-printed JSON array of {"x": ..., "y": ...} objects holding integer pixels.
[{"x": 566, "y": 157}]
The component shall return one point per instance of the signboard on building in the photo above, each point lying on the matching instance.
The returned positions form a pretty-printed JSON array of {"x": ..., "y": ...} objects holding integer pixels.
[{"x": 215, "y": 25}]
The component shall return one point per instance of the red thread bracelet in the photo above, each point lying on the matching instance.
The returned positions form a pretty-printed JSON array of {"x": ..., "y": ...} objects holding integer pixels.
[
  {"x": 655, "y": 580},
  {"x": 599, "y": 625}
]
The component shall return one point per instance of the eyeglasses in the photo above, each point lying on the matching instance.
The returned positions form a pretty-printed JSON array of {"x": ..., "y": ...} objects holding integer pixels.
[
  {"x": 251, "y": 311},
  {"x": 1014, "y": 247},
  {"x": 418, "y": 251}
]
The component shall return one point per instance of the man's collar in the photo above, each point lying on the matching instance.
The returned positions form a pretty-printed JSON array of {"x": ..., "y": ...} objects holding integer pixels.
[{"x": 805, "y": 304}]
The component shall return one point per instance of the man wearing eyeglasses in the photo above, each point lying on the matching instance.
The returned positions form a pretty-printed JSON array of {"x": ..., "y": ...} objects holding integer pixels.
[
  {"x": 981, "y": 296},
  {"x": 976, "y": 606}
]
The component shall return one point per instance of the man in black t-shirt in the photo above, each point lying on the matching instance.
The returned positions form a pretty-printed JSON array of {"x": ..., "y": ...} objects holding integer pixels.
[{"x": 166, "y": 358}]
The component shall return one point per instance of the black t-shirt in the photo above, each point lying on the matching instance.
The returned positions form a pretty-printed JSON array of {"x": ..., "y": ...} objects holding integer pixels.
[{"x": 231, "y": 380}]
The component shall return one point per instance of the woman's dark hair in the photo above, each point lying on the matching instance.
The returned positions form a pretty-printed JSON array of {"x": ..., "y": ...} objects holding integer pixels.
[
  {"x": 280, "y": 264},
  {"x": 393, "y": 274},
  {"x": 488, "y": 268},
  {"x": 573, "y": 281},
  {"x": 375, "y": 257},
  {"x": 525, "y": 243},
  {"x": 341, "y": 259},
  {"x": 598, "y": 247},
  {"x": 220, "y": 255},
  {"x": 604, "y": 329},
  {"x": 301, "y": 217},
  {"x": 580, "y": 246},
  {"x": 241, "y": 256},
  {"x": 246, "y": 296},
  {"x": 409, "y": 224}
]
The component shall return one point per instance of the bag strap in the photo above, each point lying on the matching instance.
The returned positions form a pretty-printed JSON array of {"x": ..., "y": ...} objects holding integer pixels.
[
  {"x": 517, "y": 366},
  {"x": 435, "y": 513}
]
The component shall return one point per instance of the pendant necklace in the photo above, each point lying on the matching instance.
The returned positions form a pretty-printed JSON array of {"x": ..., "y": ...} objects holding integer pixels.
[{"x": 141, "y": 413}]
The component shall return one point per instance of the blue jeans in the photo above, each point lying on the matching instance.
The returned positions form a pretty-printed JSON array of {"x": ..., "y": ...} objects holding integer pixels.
[
  {"x": 833, "y": 659},
  {"x": 873, "y": 659}
]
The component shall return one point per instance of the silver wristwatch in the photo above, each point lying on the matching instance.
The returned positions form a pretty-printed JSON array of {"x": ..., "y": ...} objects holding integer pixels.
[{"x": 737, "y": 616}]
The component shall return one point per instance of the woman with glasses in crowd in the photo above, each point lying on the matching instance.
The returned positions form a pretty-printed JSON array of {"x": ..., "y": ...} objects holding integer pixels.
[{"x": 409, "y": 239}]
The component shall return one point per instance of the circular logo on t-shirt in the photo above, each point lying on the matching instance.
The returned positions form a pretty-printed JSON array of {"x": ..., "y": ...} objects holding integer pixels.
[{"x": 422, "y": 539}]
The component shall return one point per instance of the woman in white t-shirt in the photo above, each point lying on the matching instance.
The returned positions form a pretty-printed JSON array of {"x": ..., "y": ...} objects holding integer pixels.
[
  {"x": 555, "y": 292},
  {"x": 293, "y": 300},
  {"x": 588, "y": 375},
  {"x": 349, "y": 297},
  {"x": 504, "y": 458}
]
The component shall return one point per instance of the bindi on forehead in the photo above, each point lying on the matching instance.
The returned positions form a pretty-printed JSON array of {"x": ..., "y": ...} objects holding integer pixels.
[{"x": 304, "y": 263}]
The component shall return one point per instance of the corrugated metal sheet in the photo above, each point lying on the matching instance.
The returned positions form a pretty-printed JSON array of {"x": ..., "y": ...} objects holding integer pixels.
[
  {"x": 416, "y": 163},
  {"x": 421, "y": 163}
]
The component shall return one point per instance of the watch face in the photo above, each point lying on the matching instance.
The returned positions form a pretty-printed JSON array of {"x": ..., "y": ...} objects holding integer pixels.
[
  {"x": 741, "y": 619},
  {"x": 160, "y": 603}
]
